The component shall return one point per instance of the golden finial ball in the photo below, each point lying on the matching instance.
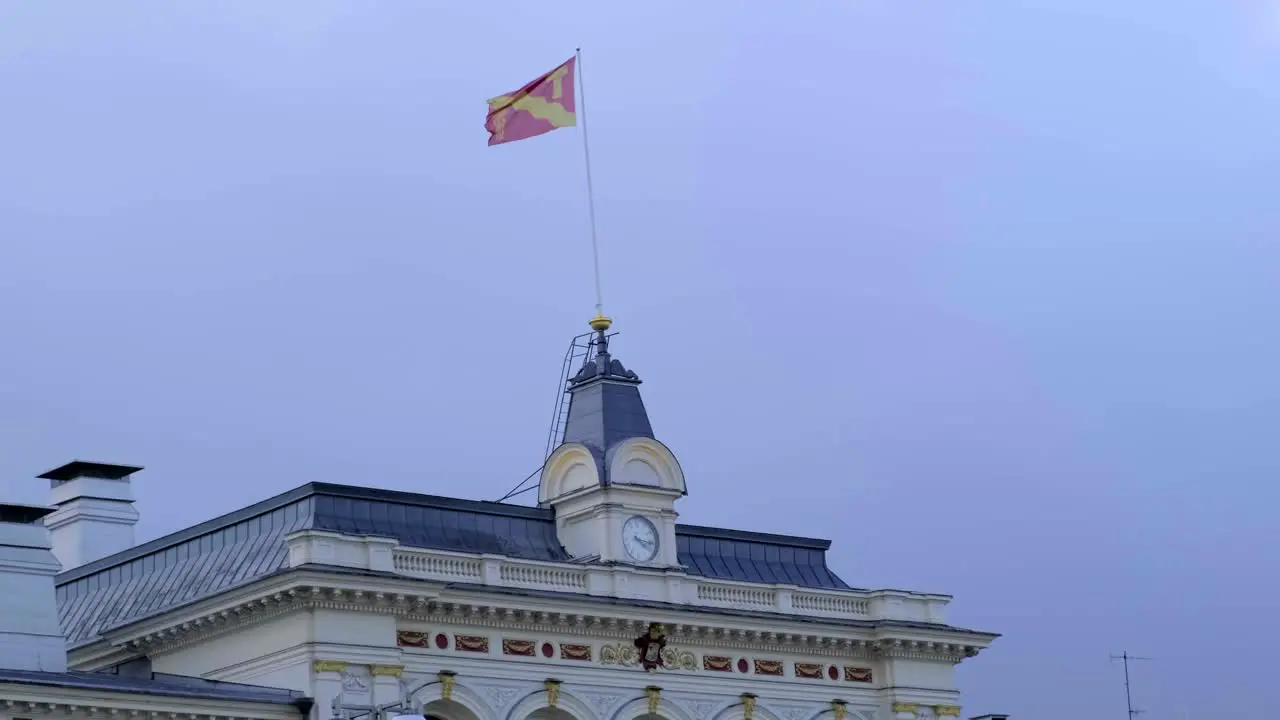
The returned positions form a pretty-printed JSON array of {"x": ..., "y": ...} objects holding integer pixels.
[{"x": 600, "y": 323}]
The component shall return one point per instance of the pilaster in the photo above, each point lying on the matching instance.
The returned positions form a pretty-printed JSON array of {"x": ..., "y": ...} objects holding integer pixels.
[
  {"x": 326, "y": 686},
  {"x": 386, "y": 683}
]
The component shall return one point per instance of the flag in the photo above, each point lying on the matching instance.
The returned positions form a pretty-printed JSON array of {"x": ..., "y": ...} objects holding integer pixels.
[{"x": 539, "y": 107}]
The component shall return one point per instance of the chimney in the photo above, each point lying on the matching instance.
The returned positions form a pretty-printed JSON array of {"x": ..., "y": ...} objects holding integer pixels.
[
  {"x": 94, "y": 516},
  {"x": 30, "y": 635}
]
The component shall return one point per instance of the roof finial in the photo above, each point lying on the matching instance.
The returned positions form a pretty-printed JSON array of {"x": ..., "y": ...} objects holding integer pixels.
[{"x": 600, "y": 323}]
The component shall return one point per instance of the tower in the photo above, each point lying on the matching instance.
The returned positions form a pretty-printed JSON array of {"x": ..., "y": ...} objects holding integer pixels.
[{"x": 611, "y": 483}]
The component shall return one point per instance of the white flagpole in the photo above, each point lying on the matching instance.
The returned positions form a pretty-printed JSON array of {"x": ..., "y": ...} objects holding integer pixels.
[{"x": 591, "y": 199}]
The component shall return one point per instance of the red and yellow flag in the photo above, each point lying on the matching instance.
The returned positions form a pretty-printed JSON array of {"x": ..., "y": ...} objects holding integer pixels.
[{"x": 539, "y": 107}]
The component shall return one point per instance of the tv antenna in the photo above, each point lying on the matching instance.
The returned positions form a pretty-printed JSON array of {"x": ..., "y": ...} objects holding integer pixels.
[{"x": 1125, "y": 657}]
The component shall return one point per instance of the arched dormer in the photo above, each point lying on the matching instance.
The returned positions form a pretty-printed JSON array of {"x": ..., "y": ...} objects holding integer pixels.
[
  {"x": 643, "y": 461},
  {"x": 570, "y": 469},
  {"x": 638, "y": 462}
]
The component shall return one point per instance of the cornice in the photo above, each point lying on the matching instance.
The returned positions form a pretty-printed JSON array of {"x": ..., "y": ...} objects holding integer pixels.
[
  {"x": 505, "y": 612},
  {"x": 19, "y": 700}
]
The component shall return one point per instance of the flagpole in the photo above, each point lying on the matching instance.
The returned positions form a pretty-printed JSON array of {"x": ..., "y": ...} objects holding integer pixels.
[{"x": 591, "y": 196}]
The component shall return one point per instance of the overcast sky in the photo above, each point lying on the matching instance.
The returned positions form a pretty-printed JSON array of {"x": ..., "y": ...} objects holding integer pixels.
[{"x": 985, "y": 292}]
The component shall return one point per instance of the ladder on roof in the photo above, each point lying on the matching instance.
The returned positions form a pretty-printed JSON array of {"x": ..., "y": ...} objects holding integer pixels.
[
  {"x": 578, "y": 354},
  {"x": 575, "y": 357}
]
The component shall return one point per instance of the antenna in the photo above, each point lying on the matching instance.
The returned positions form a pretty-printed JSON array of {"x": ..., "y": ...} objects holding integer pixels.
[{"x": 1128, "y": 695}]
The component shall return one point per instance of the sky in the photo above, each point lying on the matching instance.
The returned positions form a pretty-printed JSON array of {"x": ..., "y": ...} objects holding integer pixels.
[{"x": 984, "y": 292}]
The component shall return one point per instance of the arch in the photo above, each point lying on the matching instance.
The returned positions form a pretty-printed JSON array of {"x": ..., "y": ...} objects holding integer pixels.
[
  {"x": 447, "y": 710},
  {"x": 566, "y": 704},
  {"x": 550, "y": 713},
  {"x": 645, "y": 461},
  {"x": 463, "y": 703},
  {"x": 639, "y": 708},
  {"x": 826, "y": 713},
  {"x": 570, "y": 468},
  {"x": 736, "y": 712}
]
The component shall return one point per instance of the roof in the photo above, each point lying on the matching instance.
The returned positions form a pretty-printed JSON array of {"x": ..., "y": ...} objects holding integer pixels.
[
  {"x": 248, "y": 544},
  {"x": 157, "y": 684},
  {"x": 84, "y": 468},
  {"x": 755, "y": 557},
  {"x": 605, "y": 407},
  {"x": 22, "y": 514}
]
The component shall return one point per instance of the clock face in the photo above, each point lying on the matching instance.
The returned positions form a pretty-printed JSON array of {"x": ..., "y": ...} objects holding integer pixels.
[{"x": 640, "y": 539}]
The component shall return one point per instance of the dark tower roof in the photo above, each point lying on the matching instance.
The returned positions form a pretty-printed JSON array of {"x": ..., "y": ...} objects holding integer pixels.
[{"x": 604, "y": 403}]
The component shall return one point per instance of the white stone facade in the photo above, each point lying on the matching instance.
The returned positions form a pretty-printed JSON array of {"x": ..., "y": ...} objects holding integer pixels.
[{"x": 373, "y": 639}]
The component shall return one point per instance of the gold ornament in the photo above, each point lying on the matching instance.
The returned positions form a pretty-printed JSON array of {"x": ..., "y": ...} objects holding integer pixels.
[
  {"x": 654, "y": 693},
  {"x": 447, "y": 679}
]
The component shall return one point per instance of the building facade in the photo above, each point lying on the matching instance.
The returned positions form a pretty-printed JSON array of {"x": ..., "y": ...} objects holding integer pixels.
[{"x": 594, "y": 605}]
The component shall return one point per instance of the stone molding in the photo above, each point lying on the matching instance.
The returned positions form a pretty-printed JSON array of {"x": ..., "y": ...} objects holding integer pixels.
[{"x": 510, "y": 613}]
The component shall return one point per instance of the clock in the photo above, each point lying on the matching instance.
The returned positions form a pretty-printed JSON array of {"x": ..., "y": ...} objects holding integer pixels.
[{"x": 640, "y": 539}]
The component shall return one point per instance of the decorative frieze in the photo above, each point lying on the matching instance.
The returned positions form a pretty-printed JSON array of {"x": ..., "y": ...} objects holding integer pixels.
[
  {"x": 619, "y": 654},
  {"x": 627, "y": 655},
  {"x": 677, "y": 659},
  {"x": 808, "y": 671},
  {"x": 471, "y": 643},
  {"x": 768, "y": 667},
  {"x": 183, "y": 629},
  {"x": 412, "y": 638},
  {"x": 333, "y": 666},
  {"x": 520, "y": 648},
  {"x": 717, "y": 663},
  {"x": 858, "y": 674},
  {"x": 946, "y": 710},
  {"x": 386, "y": 670},
  {"x": 574, "y": 651}
]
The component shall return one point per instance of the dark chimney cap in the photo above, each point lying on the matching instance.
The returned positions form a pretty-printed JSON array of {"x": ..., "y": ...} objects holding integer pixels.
[
  {"x": 990, "y": 717},
  {"x": 81, "y": 468},
  {"x": 22, "y": 514}
]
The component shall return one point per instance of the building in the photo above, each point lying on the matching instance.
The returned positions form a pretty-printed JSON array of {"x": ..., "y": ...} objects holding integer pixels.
[
  {"x": 357, "y": 602},
  {"x": 34, "y": 678}
]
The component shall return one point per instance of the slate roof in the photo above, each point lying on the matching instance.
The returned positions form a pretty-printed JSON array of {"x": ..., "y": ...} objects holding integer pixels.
[
  {"x": 157, "y": 684},
  {"x": 246, "y": 545},
  {"x": 605, "y": 406}
]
